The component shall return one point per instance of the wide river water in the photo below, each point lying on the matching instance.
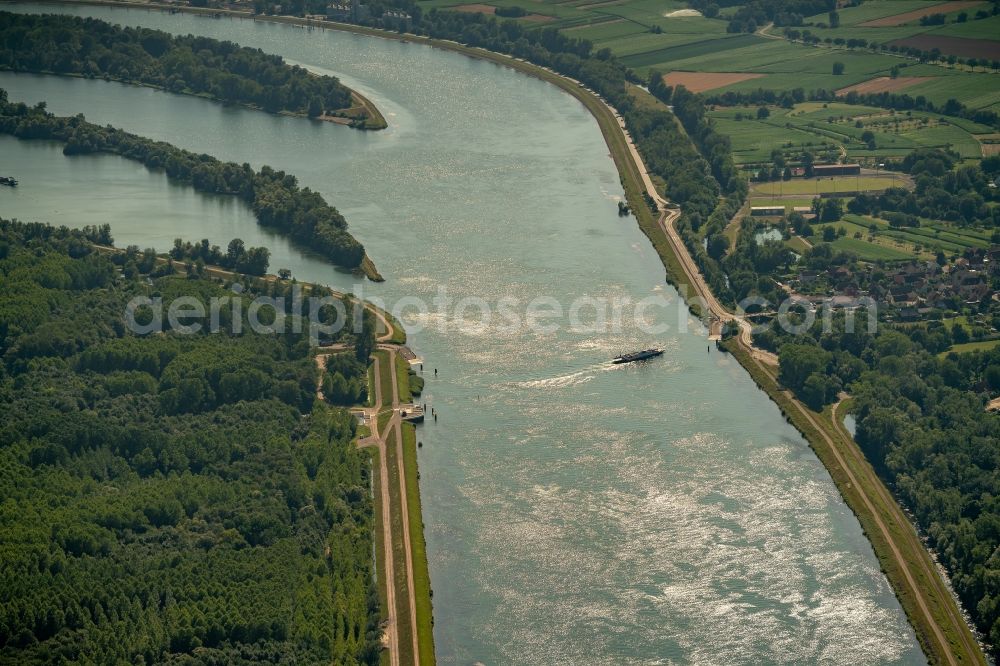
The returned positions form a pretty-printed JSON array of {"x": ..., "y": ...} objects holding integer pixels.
[{"x": 576, "y": 512}]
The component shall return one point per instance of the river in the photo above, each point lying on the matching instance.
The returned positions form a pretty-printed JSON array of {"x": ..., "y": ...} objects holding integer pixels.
[{"x": 575, "y": 511}]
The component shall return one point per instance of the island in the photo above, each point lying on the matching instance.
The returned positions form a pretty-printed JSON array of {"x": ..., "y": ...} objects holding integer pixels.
[
  {"x": 222, "y": 71},
  {"x": 275, "y": 197}
]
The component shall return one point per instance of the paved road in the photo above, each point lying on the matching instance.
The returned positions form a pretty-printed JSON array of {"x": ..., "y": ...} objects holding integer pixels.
[{"x": 668, "y": 216}]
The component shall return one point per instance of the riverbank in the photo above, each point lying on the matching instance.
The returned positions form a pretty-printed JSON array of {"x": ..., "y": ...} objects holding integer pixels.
[
  {"x": 926, "y": 598},
  {"x": 401, "y": 555},
  {"x": 602, "y": 129},
  {"x": 612, "y": 129}
]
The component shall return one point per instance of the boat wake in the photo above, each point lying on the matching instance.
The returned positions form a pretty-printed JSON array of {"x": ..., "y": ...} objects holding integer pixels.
[{"x": 569, "y": 379}]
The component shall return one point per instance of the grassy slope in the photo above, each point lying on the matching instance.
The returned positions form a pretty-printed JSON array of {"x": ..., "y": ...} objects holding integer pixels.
[
  {"x": 404, "y": 628},
  {"x": 385, "y": 379},
  {"x": 403, "y": 379},
  {"x": 421, "y": 574}
]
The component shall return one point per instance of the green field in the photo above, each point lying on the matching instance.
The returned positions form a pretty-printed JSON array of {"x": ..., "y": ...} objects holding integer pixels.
[
  {"x": 833, "y": 126},
  {"x": 867, "y": 251},
  {"x": 873, "y": 9},
  {"x": 932, "y": 235},
  {"x": 852, "y": 17},
  {"x": 987, "y": 28},
  {"x": 820, "y": 186},
  {"x": 966, "y": 347},
  {"x": 640, "y": 33}
]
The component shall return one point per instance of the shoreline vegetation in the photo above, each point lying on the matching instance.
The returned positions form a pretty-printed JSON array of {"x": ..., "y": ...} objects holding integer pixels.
[
  {"x": 198, "y": 66},
  {"x": 914, "y": 575},
  {"x": 275, "y": 197},
  {"x": 929, "y": 611}
]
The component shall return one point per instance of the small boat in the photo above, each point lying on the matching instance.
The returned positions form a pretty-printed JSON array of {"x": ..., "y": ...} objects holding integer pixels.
[
  {"x": 637, "y": 356},
  {"x": 8, "y": 180}
]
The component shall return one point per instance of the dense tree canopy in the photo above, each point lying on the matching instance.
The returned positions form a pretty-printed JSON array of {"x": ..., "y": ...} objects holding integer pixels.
[
  {"x": 168, "y": 497},
  {"x": 200, "y": 65}
]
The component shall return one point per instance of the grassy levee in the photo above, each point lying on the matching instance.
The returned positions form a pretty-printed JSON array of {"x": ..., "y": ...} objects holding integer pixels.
[
  {"x": 375, "y": 119},
  {"x": 403, "y": 379},
  {"x": 421, "y": 574},
  {"x": 380, "y": 573},
  {"x": 822, "y": 435},
  {"x": 404, "y": 628},
  {"x": 371, "y": 386},
  {"x": 385, "y": 381},
  {"x": 397, "y": 334}
]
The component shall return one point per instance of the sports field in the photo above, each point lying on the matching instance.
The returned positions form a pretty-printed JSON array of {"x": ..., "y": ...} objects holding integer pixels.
[{"x": 818, "y": 186}]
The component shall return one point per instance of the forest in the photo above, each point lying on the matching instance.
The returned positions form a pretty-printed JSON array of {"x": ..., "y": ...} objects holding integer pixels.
[
  {"x": 237, "y": 257},
  {"x": 276, "y": 199},
  {"x": 168, "y": 497},
  {"x": 183, "y": 64}
]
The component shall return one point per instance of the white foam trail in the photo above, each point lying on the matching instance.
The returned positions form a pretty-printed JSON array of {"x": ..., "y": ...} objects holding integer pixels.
[{"x": 569, "y": 379}]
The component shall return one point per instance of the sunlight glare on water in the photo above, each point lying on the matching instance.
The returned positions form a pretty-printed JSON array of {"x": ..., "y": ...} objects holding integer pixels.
[{"x": 576, "y": 512}]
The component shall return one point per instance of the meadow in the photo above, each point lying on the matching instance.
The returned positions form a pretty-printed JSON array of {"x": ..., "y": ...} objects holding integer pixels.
[{"x": 836, "y": 128}]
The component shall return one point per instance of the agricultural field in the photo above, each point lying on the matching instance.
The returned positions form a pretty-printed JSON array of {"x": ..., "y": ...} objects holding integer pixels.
[
  {"x": 966, "y": 347},
  {"x": 883, "y": 84},
  {"x": 868, "y": 246},
  {"x": 924, "y": 241},
  {"x": 667, "y": 37},
  {"x": 835, "y": 130},
  {"x": 988, "y": 28},
  {"x": 914, "y": 15},
  {"x": 959, "y": 46},
  {"x": 870, "y": 251},
  {"x": 702, "y": 81}
]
